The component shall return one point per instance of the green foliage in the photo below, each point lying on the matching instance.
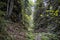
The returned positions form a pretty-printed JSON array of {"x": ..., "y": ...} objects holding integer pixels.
[
  {"x": 49, "y": 36},
  {"x": 55, "y": 13},
  {"x": 45, "y": 36},
  {"x": 2, "y": 13},
  {"x": 3, "y": 33},
  {"x": 46, "y": 18},
  {"x": 30, "y": 36}
]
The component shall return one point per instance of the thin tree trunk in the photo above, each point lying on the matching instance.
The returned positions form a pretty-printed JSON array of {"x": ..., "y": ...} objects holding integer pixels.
[
  {"x": 8, "y": 2},
  {"x": 10, "y": 7}
]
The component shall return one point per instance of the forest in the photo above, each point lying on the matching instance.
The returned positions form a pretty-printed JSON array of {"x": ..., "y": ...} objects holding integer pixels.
[{"x": 29, "y": 19}]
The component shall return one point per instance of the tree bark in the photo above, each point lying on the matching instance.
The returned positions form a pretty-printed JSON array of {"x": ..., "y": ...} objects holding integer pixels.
[{"x": 10, "y": 4}]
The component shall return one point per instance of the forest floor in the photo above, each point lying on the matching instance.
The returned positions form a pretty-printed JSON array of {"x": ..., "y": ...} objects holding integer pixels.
[{"x": 16, "y": 31}]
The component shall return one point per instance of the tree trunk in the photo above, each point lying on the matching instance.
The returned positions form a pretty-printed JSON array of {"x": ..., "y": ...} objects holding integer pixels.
[{"x": 10, "y": 4}]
